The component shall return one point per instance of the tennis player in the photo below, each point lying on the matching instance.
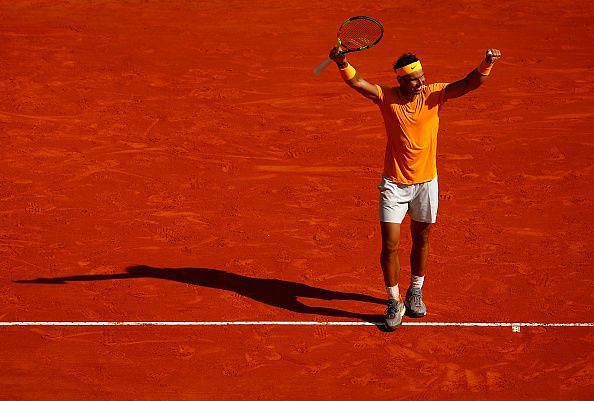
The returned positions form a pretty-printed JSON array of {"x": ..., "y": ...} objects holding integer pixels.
[{"x": 409, "y": 183}]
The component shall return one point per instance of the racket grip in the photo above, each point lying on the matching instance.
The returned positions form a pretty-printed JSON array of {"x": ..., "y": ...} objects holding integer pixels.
[{"x": 322, "y": 65}]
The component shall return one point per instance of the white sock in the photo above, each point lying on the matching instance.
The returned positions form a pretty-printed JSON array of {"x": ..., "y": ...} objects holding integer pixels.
[
  {"x": 393, "y": 292},
  {"x": 416, "y": 281}
]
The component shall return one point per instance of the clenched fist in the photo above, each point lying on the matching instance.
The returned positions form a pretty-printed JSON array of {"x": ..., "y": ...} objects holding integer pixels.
[{"x": 492, "y": 56}]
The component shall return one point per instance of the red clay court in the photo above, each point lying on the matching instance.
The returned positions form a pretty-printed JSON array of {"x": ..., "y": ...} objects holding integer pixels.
[{"x": 178, "y": 161}]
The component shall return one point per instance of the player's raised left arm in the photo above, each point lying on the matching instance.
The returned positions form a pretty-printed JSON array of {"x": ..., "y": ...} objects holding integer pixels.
[{"x": 475, "y": 78}]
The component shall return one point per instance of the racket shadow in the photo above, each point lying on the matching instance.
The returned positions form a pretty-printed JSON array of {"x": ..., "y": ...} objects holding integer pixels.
[{"x": 277, "y": 293}]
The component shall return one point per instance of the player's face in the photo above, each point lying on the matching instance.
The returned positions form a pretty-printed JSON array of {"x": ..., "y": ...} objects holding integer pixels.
[{"x": 412, "y": 84}]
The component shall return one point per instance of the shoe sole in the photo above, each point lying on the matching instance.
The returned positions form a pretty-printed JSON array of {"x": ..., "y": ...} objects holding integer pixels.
[{"x": 415, "y": 315}]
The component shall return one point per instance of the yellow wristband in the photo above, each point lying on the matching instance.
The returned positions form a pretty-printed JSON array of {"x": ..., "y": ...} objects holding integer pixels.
[
  {"x": 347, "y": 73},
  {"x": 485, "y": 68}
]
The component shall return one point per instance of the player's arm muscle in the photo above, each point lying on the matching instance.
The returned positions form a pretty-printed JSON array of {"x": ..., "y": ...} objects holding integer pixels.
[
  {"x": 465, "y": 85},
  {"x": 363, "y": 87},
  {"x": 475, "y": 78}
]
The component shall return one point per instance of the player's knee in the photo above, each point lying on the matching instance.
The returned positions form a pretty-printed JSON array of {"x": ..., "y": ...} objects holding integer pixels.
[
  {"x": 421, "y": 238},
  {"x": 390, "y": 246}
]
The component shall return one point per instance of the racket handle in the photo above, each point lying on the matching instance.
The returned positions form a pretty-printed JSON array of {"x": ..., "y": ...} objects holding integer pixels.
[{"x": 322, "y": 65}]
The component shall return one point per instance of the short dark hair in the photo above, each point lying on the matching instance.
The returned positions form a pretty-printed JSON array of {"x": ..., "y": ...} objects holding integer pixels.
[{"x": 405, "y": 59}]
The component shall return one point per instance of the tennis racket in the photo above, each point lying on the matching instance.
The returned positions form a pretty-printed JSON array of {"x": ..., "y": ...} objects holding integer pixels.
[{"x": 355, "y": 34}]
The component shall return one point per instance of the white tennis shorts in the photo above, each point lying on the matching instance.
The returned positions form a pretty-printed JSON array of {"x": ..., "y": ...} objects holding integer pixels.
[{"x": 419, "y": 200}]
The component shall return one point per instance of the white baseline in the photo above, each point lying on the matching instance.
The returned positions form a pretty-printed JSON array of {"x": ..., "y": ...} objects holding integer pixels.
[{"x": 299, "y": 323}]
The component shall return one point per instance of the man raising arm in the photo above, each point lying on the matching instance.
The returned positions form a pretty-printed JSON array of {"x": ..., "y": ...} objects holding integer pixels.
[{"x": 409, "y": 181}]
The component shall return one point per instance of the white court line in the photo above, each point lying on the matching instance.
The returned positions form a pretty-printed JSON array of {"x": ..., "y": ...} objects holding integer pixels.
[{"x": 296, "y": 323}]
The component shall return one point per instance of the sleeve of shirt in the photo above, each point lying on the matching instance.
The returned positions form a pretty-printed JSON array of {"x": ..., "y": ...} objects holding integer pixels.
[{"x": 439, "y": 90}]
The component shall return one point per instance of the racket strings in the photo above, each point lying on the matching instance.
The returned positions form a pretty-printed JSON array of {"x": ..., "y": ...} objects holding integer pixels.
[{"x": 360, "y": 33}]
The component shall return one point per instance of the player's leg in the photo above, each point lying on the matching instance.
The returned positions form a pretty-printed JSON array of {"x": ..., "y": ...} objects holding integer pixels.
[
  {"x": 389, "y": 256},
  {"x": 423, "y": 211},
  {"x": 391, "y": 270},
  {"x": 393, "y": 205},
  {"x": 413, "y": 300},
  {"x": 420, "y": 247}
]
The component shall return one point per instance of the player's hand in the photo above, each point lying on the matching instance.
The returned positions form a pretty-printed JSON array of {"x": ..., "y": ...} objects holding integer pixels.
[
  {"x": 492, "y": 55},
  {"x": 335, "y": 56}
]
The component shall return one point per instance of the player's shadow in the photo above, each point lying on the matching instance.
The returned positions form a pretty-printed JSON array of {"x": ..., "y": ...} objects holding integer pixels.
[{"x": 277, "y": 293}]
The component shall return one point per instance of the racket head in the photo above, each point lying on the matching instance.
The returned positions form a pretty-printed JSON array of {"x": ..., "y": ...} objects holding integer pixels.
[{"x": 359, "y": 33}]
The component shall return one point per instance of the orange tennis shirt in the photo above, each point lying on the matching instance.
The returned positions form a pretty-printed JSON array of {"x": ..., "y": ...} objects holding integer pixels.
[{"x": 411, "y": 128}]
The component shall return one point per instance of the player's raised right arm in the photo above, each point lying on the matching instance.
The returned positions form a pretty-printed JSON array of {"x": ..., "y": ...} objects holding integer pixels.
[{"x": 352, "y": 77}]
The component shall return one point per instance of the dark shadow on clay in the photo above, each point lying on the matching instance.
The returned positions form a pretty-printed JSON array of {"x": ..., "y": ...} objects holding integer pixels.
[{"x": 277, "y": 293}]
